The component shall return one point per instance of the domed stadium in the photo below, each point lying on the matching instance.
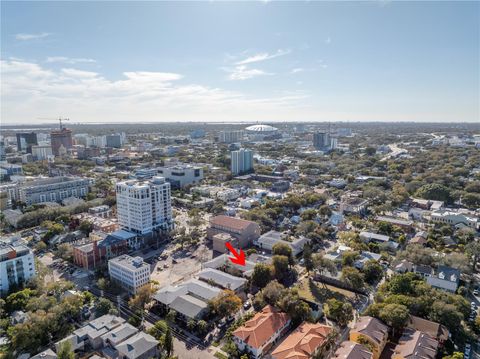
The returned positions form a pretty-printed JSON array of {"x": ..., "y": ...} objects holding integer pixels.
[{"x": 261, "y": 129}]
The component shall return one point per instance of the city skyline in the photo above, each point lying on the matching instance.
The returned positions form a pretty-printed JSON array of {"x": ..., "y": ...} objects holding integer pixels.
[{"x": 240, "y": 62}]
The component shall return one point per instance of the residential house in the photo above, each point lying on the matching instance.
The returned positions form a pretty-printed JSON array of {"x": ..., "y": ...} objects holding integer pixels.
[
  {"x": 445, "y": 278},
  {"x": 304, "y": 342},
  {"x": 352, "y": 350},
  {"x": 437, "y": 331},
  {"x": 245, "y": 231},
  {"x": 370, "y": 332},
  {"x": 261, "y": 332},
  {"x": 415, "y": 344}
]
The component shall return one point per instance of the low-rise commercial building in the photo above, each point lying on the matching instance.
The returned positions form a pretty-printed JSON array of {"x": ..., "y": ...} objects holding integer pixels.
[
  {"x": 183, "y": 175},
  {"x": 130, "y": 272}
]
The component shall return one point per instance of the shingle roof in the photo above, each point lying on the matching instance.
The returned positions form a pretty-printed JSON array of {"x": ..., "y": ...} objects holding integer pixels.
[
  {"x": 222, "y": 279},
  {"x": 303, "y": 342},
  {"x": 416, "y": 345},
  {"x": 372, "y": 328},
  {"x": 256, "y": 331},
  {"x": 435, "y": 330},
  {"x": 352, "y": 350},
  {"x": 230, "y": 222},
  {"x": 137, "y": 345}
]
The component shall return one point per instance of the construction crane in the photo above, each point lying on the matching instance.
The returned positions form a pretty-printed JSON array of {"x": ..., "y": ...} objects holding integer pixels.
[{"x": 57, "y": 119}]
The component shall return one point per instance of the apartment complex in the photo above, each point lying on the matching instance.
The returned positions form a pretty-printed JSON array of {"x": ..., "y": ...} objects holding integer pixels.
[
  {"x": 130, "y": 272},
  {"x": 241, "y": 161},
  {"x": 17, "y": 265},
  {"x": 372, "y": 331},
  {"x": 230, "y": 136},
  {"x": 261, "y": 332},
  {"x": 144, "y": 206},
  {"x": 180, "y": 176},
  {"x": 53, "y": 189},
  {"x": 42, "y": 152}
]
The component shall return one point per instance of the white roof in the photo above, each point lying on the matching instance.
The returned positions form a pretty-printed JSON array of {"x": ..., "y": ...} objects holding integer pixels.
[{"x": 261, "y": 128}]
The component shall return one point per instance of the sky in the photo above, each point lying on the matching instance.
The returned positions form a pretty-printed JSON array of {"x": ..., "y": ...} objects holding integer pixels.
[{"x": 262, "y": 61}]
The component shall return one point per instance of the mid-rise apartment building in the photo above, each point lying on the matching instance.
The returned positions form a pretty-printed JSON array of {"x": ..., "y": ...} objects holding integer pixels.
[
  {"x": 230, "y": 136},
  {"x": 180, "y": 176},
  {"x": 17, "y": 265},
  {"x": 53, "y": 189},
  {"x": 130, "y": 272},
  {"x": 241, "y": 161},
  {"x": 144, "y": 206}
]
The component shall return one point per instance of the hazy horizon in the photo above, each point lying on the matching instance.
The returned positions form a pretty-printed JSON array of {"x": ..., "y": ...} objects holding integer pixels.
[{"x": 240, "y": 62}]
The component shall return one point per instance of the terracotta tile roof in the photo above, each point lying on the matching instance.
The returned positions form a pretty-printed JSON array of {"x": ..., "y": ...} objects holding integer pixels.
[
  {"x": 435, "y": 330},
  {"x": 256, "y": 331},
  {"x": 371, "y": 327},
  {"x": 352, "y": 350},
  {"x": 303, "y": 342},
  {"x": 230, "y": 222},
  {"x": 416, "y": 345}
]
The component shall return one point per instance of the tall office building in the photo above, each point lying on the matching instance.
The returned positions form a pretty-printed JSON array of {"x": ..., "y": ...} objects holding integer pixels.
[
  {"x": 144, "y": 206},
  {"x": 241, "y": 161},
  {"x": 25, "y": 141},
  {"x": 61, "y": 141},
  {"x": 17, "y": 265},
  {"x": 114, "y": 140},
  {"x": 321, "y": 140}
]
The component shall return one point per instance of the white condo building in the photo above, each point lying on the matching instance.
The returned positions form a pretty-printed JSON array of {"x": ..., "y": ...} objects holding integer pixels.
[
  {"x": 144, "y": 206},
  {"x": 17, "y": 265},
  {"x": 130, "y": 272},
  {"x": 242, "y": 161},
  {"x": 230, "y": 136},
  {"x": 181, "y": 175}
]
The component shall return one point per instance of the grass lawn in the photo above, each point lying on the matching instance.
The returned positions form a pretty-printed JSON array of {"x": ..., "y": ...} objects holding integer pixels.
[{"x": 318, "y": 292}]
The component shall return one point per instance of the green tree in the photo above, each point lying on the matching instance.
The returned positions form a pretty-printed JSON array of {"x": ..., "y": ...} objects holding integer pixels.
[
  {"x": 103, "y": 307},
  {"x": 282, "y": 249},
  {"x": 341, "y": 312},
  {"x": 436, "y": 192},
  {"x": 308, "y": 258},
  {"x": 262, "y": 275},
  {"x": 455, "y": 355},
  {"x": 353, "y": 277},
  {"x": 65, "y": 350},
  {"x": 395, "y": 315},
  {"x": 349, "y": 258},
  {"x": 226, "y": 303},
  {"x": 280, "y": 265},
  {"x": 372, "y": 271},
  {"x": 168, "y": 342}
]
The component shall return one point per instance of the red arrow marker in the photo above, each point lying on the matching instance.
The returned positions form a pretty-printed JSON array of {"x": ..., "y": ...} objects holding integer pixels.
[{"x": 239, "y": 258}]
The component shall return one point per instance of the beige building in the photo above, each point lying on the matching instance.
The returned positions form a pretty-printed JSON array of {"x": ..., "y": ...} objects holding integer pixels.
[
  {"x": 219, "y": 242},
  {"x": 242, "y": 230}
]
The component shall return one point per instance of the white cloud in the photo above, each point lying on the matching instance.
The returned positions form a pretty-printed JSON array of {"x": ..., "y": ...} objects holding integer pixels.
[
  {"x": 26, "y": 37},
  {"x": 28, "y": 89},
  {"x": 242, "y": 72},
  {"x": 263, "y": 56},
  {"x": 68, "y": 60},
  {"x": 297, "y": 70}
]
